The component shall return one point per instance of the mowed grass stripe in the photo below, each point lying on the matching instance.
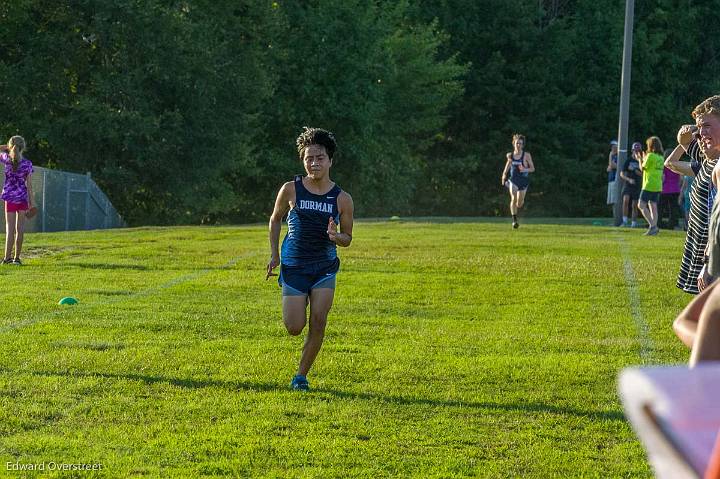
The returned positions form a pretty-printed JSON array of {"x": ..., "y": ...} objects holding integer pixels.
[
  {"x": 646, "y": 346},
  {"x": 453, "y": 350}
]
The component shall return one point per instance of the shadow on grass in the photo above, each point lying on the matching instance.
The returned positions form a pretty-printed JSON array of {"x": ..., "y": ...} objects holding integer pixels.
[
  {"x": 91, "y": 346},
  {"x": 530, "y": 407},
  {"x": 138, "y": 267},
  {"x": 181, "y": 383}
]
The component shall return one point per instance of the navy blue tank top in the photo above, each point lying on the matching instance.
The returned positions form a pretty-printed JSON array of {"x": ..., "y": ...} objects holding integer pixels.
[
  {"x": 515, "y": 172},
  {"x": 307, "y": 240},
  {"x": 518, "y": 178}
]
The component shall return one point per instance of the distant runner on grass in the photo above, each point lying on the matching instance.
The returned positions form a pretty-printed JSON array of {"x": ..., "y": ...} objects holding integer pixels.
[
  {"x": 309, "y": 262},
  {"x": 519, "y": 165}
]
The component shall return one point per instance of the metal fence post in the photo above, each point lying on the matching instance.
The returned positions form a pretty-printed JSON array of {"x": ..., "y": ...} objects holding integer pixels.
[
  {"x": 67, "y": 203},
  {"x": 87, "y": 200},
  {"x": 43, "y": 224},
  {"x": 49, "y": 195}
]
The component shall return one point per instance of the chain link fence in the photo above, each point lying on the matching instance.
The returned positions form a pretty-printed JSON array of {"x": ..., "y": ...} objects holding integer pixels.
[{"x": 69, "y": 201}]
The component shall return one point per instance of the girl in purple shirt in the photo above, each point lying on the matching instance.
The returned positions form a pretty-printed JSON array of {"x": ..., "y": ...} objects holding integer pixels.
[{"x": 17, "y": 194}]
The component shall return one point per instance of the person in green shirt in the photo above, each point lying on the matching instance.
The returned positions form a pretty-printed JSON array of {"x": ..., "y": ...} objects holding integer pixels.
[{"x": 652, "y": 168}]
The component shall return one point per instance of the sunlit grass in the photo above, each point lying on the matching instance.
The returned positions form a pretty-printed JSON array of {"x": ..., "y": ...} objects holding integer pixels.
[{"x": 453, "y": 350}]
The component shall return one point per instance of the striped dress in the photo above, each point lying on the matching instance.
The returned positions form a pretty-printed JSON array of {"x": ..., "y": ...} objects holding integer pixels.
[{"x": 702, "y": 194}]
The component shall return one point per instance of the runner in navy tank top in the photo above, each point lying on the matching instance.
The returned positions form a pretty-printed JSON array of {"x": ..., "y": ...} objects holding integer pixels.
[
  {"x": 307, "y": 240},
  {"x": 315, "y": 206},
  {"x": 519, "y": 165}
]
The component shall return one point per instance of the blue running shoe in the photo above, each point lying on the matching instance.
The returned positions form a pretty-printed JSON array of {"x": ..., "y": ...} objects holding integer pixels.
[{"x": 299, "y": 383}]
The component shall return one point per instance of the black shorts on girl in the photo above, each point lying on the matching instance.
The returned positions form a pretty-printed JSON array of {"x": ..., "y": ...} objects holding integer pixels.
[
  {"x": 300, "y": 280},
  {"x": 650, "y": 196},
  {"x": 521, "y": 183},
  {"x": 633, "y": 193}
]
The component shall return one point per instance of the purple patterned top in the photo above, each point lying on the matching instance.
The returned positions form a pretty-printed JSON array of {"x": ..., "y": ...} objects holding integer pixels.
[{"x": 15, "y": 189}]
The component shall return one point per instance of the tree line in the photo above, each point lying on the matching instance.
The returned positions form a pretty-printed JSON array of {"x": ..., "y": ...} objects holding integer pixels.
[{"x": 186, "y": 111}]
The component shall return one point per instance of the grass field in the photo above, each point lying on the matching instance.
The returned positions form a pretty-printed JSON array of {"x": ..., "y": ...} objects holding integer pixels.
[{"x": 454, "y": 349}]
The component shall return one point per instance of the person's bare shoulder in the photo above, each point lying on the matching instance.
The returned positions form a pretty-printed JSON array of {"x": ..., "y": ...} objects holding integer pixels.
[
  {"x": 287, "y": 188},
  {"x": 285, "y": 196},
  {"x": 344, "y": 199}
]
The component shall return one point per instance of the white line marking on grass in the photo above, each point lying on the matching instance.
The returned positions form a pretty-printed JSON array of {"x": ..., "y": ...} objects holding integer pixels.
[
  {"x": 646, "y": 344},
  {"x": 144, "y": 292},
  {"x": 180, "y": 280}
]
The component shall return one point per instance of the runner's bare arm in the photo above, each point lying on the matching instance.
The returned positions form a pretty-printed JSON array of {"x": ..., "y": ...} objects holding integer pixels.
[
  {"x": 506, "y": 169},
  {"x": 346, "y": 209},
  {"x": 285, "y": 196},
  {"x": 530, "y": 168}
]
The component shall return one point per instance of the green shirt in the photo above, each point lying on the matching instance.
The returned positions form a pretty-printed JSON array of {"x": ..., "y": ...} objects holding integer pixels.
[{"x": 652, "y": 172}]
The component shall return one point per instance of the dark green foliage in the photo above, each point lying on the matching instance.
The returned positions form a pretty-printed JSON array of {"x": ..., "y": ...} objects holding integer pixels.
[
  {"x": 370, "y": 75},
  {"x": 187, "y": 111},
  {"x": 551, "y": 70},
  {"x": 159, "y": 100}
]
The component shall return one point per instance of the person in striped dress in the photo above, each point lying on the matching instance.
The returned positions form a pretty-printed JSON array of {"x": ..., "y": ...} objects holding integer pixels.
[
  {"x": 699, "y": 322},
  {"x": 702, "y": 194},
  {"x": 702, "y": 144},
  {"x": 703, "y": 153}
]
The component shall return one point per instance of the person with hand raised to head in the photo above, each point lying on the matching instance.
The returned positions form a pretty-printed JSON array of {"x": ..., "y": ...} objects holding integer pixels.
[
  {"x": 18, "y": 196},
  {"x": 701, "y": 143}
]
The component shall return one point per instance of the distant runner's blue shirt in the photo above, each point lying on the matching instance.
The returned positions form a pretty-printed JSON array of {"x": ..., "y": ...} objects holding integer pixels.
[{"x": 307, "y": 239}]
